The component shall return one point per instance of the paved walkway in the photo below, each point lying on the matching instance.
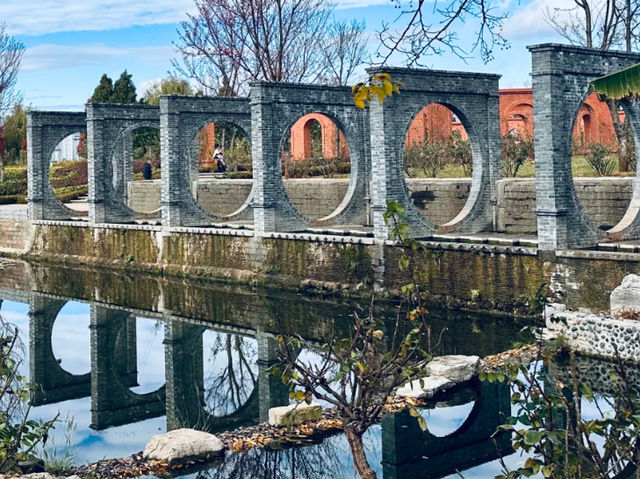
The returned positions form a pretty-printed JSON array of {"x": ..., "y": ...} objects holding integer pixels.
[{"x": 18, "y": 212}]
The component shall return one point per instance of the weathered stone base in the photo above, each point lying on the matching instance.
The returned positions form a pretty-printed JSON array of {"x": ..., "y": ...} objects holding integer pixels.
[{"x": 480, "y": 276}]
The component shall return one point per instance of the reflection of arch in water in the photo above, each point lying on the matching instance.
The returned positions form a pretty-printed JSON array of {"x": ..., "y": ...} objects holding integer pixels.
[
  {"x": 114, "y": 372},
  {"x": 404, "y": 444},
  {"x": 54, "y": 383},
  {"x": 185, "y": 383}
]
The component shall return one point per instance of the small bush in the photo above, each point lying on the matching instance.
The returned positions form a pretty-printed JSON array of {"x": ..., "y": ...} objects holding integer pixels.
[
  {"x": 313, "y": 167},
  {"x": 598, "y": 159},
  {"x": 516, "y": 149},
  {"x": 12, "y": 199},
  {"x": 434, "y": 154},
  {"x": 239, "y": 175}
]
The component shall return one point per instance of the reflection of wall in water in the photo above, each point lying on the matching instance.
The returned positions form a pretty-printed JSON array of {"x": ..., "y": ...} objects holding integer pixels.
[{"x": 404, "y": 445}]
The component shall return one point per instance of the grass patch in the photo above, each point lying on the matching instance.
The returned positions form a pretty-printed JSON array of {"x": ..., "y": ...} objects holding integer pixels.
[{"x": 579, "y": 166}]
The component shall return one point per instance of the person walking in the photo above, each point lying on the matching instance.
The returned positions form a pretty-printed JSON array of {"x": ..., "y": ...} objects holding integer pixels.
[
  {"x": 218, "y": 156},
  {"x": 147, "y": 171}
]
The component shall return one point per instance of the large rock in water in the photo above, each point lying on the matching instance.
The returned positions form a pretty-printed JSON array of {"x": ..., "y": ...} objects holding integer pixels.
[
  {"x": 430, "y": 386},
  {"x": 294, "y": 414},
  {"x": 183, "y": 445},
  {"x": 626, "y": 296},
  {"x": 444, "y": 373},
  {"x": 457, "y": 368}
]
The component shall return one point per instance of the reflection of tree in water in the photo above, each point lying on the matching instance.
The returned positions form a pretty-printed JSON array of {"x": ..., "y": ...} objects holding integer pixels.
[
  {"x": 321, "y": 461},
  {"x": 232, "y": 367}
]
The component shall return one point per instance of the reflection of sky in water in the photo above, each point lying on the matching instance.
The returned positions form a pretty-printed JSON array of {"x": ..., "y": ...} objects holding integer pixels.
[
  {"x": 71, "y": 340},
  {"x": 71, "y": 344}
]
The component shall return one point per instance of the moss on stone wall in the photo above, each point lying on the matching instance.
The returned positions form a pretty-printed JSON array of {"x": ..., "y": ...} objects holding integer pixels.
[
  {"x": 473, "y": 277},
  {"x": 487, "y": 280},
  {"x": 294, "y": 261}
]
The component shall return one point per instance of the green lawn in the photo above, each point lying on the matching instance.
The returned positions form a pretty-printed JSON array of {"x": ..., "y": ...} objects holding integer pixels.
[{"x": 579, "y": 165}]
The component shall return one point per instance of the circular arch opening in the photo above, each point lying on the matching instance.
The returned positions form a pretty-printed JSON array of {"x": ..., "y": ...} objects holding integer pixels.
[
  {"x": 71, "y": 327},
  {"x": 438, "y": 162},
  {"x": 603, "y": 161},
  {"x": 230, "y": 371},
  {"x": 224, "y": 167},
  {"x": 316, "y": 165},
  {"x": 68, "y": 172},
  {"x": 149, "y": 355}
]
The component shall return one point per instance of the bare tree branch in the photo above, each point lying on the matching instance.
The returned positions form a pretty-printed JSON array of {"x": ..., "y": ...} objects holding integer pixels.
[
  {"x": 229, "y": 43},
  {"x": 430, "y": 28}
]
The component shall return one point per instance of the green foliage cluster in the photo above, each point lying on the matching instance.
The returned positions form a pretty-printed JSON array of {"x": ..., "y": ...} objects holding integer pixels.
[
  {"x": 313, "y": 167},
  {"x": 68, "y": 178},
  {"x": 549, "y": 427},
  {"x": 122, "y": 91},
  {"x": 432, "y": 155},
  {"x": 166, "y": 86},
  {"x": 599, "y": 159},
  {"x": 15, "y": 135},
  {"x": 19, "y": 436}
]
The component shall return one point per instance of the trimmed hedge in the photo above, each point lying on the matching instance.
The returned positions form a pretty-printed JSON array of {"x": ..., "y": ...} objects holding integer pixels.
[
  {"x": 68, "y": 179},
  {"x": 13, "y": 199}
]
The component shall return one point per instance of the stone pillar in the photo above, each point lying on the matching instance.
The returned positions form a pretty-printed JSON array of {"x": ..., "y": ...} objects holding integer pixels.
[
  {"x": 185, "y": 375},
  {"x": 96, "y": 168},
  {"x": 172, "y": 164},
  {"x": 54, "y": 383},
  {"x": 272, "y": 392},
  {"x": 37, "y": 171},
  {"x": 387, "y": 178},
  {"x": 265, "y": 169}
]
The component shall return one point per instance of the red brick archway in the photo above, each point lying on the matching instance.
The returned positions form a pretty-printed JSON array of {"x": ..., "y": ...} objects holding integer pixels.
[{"x": 334, "y": 144}]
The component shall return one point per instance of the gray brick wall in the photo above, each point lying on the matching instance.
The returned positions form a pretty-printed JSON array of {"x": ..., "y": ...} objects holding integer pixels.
[
  {"x": 45, "y": 129},
  {"x": 561, "y": 76},
  {"x": 473, "y": 97},
  {"x": 275, "y": 107},
  {"x": 110, "y": 152},
  {"x": 181, "y": 119}
]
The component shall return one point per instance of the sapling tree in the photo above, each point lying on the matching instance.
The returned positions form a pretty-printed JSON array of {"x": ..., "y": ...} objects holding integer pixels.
[
  {"x": 560, "y": 440},
  {"x": 19, "y": 435},
  {"x": 357, "y": 374}
]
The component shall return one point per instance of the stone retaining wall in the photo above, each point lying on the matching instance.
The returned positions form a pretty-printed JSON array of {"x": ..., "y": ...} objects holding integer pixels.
[
  {"x": 14, "y": 234},
  {"x": 605, "y": 200},
  {"x": 596, "y": 335}
]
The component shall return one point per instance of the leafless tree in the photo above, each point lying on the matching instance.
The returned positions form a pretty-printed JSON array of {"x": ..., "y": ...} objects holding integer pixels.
[
  {"x": 11, "y": 52},
  {"x": 426, "y": 28},
  {"x": 231, "y": 42},
  {"x": 589, "y": 23},
  {"x": 10, "y": 58},
  {"x": 603, "y": 24},
  {"x": 345, "y": 51}
]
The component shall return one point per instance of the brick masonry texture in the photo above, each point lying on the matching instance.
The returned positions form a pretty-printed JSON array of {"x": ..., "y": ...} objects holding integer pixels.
[{"x": 561, "y": 76}]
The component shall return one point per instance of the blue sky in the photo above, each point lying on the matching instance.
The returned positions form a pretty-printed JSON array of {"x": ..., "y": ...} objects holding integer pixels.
[{"x": 71, "y": 43}]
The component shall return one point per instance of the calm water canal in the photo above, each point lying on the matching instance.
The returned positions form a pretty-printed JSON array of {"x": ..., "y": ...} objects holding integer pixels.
[{"x": 122, "y": 357}]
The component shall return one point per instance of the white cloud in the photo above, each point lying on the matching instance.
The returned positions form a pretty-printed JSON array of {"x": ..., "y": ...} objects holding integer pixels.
[
  {"x": 52, "y": 56},
  {"x": 37, "y": 17},
  {"x": 344, "y": 4},
  {"x": 529, "y": 20}
]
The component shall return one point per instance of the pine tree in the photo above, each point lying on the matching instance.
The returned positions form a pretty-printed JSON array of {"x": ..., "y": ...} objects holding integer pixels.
[
  {"x": 124, "y": 91},
  {"x": 104, "y": 90}
]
